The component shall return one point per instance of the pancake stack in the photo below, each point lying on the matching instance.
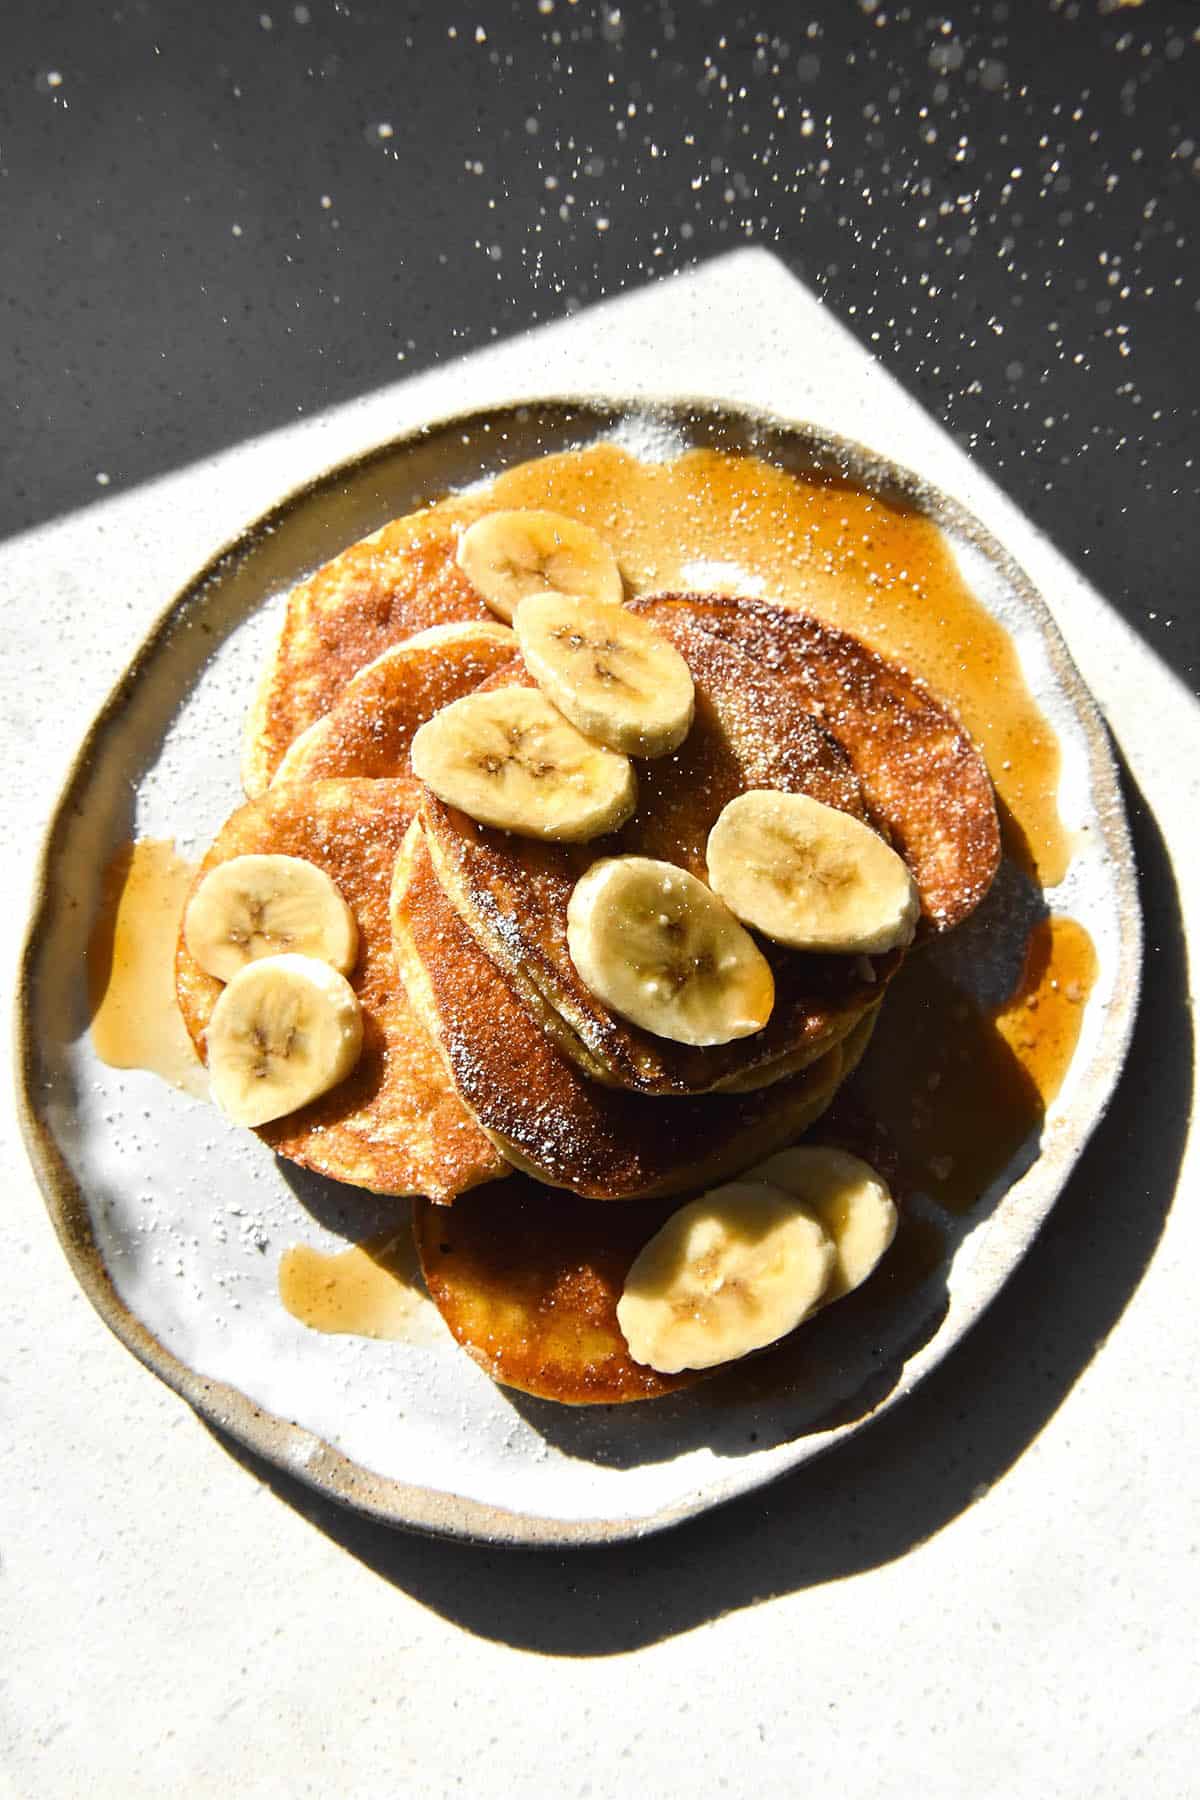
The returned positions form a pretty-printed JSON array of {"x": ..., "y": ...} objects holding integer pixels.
[{"x": 491, "y": 1058}]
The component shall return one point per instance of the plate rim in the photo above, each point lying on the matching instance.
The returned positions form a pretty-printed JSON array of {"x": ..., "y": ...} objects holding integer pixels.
[{"x": 302, "y": 1454}]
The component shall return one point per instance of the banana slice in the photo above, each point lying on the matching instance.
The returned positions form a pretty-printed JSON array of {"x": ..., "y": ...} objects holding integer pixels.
[
  {"x": 285, "y": 1030},
  {"x": 851, "y": 1201},
  {"x": 658, "y": 947},
  {"x": 727, "y": 1274},
  {"x": 613, "y": 675},
  {"x": 810, "y": 876},
  {"x": 508, "y": 555},
  {"x": 253, "y": 906},
  {"x": 509, "y": 759}
]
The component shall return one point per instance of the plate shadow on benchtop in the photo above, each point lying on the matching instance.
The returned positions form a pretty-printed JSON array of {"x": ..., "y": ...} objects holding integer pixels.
[{"x": 889, "y": 1488}]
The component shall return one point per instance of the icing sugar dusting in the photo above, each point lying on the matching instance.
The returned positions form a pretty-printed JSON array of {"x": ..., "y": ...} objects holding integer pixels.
[
  {"x": 708, "y": 576},
  {"x": 651, "y": 440}
]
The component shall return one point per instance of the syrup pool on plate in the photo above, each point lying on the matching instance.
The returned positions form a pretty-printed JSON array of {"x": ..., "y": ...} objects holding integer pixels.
[
  {"x": 136, "y": 1022},
  {"x": 371, "y": 1290}
]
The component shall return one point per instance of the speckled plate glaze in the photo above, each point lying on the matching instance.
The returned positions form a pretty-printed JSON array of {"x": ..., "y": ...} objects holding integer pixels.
[{"x": 174, "y": 1221}]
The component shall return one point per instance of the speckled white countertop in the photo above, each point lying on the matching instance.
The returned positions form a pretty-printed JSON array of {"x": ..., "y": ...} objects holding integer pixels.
[{"x": 992, "y": 1592}]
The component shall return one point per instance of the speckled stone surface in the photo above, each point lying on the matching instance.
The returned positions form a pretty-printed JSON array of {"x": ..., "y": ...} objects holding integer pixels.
[{"x": 993, "y": 1591}]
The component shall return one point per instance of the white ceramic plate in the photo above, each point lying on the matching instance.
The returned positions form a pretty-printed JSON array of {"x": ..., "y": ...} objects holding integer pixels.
[{"x": 175, "y": 1221}]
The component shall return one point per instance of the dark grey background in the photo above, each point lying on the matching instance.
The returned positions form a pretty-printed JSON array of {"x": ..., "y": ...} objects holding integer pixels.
[{"x": 214, "y": 218}]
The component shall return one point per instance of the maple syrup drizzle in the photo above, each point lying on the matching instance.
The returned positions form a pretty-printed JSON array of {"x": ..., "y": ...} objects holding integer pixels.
[
  {"x": 713, "y": 521},
  {"x": 370, "y": 1290},
  {"x": 135, "y": 1020},
  {"x": 1042, "y": 1020}
]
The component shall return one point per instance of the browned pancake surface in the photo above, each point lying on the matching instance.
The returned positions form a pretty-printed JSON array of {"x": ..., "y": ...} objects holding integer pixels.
[
  {"x": 370, "y": 728},
  {"x": 604, "y": 1142},
  {"x": 401, "y": 581},
  {"x": 395, "y": 1125},
  {"x": 923, "y": 777},
  {"x": 750, "y": 731},
  {"x": 528, "y": 1282}
]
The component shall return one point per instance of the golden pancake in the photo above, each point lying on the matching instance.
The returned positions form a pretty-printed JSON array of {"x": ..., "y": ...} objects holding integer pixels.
[
  {"x": 923, "y": 778},
  {"x": 369, "y": 729},
  {"x": 751, "y": 730},
  {"x": 528, "y": 1282},
  {"x": 395, "y": 1124},
  {"x": 398, "y": 582},
  {"x": 549, "y": 1118}
]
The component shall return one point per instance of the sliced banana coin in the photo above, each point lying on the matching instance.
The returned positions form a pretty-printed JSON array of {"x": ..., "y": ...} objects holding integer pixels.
[
  {"x": 810, "y": 876},
  {"x": 285, "y": 1030},
  {"x": 509, "y": 759},
  {"x": 508, "y": 555},
  {"x": 609, "y": 671},
  {"x": 658, "y": 947},
  {"x": 727, "y": 1274},
  {"x": 848, "y": 1197},
  {"x": 254, "y": 906}
]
